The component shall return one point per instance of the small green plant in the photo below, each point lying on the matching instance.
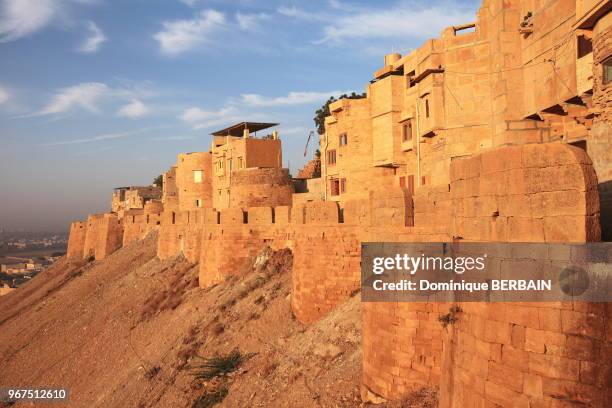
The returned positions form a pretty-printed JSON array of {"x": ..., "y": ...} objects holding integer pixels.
[
  {"x": 209, "y": 368},
  {"x": 210, "y": 398},
  {"x": 450, "y": 317}
]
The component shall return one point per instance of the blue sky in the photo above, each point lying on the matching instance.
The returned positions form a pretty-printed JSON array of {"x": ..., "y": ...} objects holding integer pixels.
[{"x": 100, "y": 93}]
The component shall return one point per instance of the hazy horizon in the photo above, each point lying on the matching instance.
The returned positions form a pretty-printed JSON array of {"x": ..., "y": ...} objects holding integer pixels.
[{"x": 96, "y": 94}]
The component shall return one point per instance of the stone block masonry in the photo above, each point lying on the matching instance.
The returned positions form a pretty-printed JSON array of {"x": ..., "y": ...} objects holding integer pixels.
[
  {"x": 506, "y": 354},
  {"x": 103, "y": 235},
  {"x": 76, "y": 240},
  {"x": 499, "y": 133}
]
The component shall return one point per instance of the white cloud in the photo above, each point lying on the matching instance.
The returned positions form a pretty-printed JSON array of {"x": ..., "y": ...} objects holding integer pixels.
[
  {"x": 105, "y": 136},
  {"x": 401, "y": 22},
  {"x": 20, "y": 18},
  {"x": 96, "y": 38},
  {"x": 86, "y": 96},
  {"x": 250, "y": 21},
  {"x": 190, "y": 3},
  {"x": 200, "y": 118},
  {"x": 179, "y": 36},
  {"x": 301, "y": 14},
  {"x": 4, "y": 96},
  {"x": 134, "y": 109},
  {"x": 293, "y": 98}
]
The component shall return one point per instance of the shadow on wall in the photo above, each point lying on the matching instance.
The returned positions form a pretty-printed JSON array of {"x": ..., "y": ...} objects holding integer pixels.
[{"x": 605, "y": 202}]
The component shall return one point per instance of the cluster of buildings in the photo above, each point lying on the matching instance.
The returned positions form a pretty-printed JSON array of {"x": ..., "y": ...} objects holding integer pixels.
[
  {"x": 15, "y": 273},
  {"x": 51, "y": 241},
  {"x": 499, "y": 130}
]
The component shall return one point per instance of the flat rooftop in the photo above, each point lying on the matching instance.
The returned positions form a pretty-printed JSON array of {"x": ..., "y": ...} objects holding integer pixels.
[{"x": 238, "y": 129}]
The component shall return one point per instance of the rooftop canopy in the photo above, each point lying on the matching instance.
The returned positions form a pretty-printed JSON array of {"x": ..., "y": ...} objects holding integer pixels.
[{"x": 238, "y": 129}]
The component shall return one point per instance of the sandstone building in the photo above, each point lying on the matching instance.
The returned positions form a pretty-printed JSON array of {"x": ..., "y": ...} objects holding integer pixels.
[{"x": 498, "y": 130}]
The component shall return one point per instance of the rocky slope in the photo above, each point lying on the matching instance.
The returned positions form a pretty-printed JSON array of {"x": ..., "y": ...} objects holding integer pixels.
[{"x": 127, "y": 332}]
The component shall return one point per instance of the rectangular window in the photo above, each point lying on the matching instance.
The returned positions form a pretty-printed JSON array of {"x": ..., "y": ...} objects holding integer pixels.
[
  {"x": 407, "y": 131},
  {"x": 229, "y": 164},
  {"x": 423, "y": 180},
  {"x": 402, "y": 181},
  {"x": 343, "y": 139},
  {"x": 331, "y": 157},
  {"x": 607, "y": 70},
  {"x": 426, "y": 107},
  {"x": 334, "y": 187},
  {"x": 198, "y": 203},
  {"x": 342, "y": 185},
  {"x": 197, "y": 176},
  {"x": 240, "y": 163}
]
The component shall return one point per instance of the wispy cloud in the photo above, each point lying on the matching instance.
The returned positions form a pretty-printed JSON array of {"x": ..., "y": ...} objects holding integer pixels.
[
  {"x": 20, "y": 18},
  {"x": 200, "y": 119},
  {"x": 85, "y": 96},
  {"x": 302, "y": 14},
  {"x": 251, "y": 21},
  {"x": 293, "y": 98},
  {"x": 4, "y": 96},
  {"x": 401, "y": 22},
  {"x": 134, "y": 109},
  {"x": 101, "y": 137},
  {"x": 179, "y": 36},
  {"x": 95, "y": 39}
]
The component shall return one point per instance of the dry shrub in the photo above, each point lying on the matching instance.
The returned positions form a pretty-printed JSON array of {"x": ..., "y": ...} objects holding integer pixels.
[{"x": 422, "y": 398}]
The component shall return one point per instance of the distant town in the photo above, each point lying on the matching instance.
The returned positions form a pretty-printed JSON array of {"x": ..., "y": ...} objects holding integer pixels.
[{"x": 24, "y": 254}]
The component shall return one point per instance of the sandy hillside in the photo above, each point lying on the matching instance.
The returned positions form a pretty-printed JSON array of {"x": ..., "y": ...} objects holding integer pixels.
[{"x": 126, "y": 332}]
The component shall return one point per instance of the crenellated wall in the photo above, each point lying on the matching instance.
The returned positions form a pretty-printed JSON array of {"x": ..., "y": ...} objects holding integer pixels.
[
  {"x": 103, "y": 236},
  {"x": 180, "y": 232}
]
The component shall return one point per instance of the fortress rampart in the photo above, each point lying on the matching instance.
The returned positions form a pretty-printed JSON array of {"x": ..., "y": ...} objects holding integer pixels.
[{"x": 472, "y": 137}]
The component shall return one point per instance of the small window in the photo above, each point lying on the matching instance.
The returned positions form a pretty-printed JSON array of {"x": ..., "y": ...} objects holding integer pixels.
[
  {"x": 240, "y": 164},
  {"x": 402, "y": 181},
  {"x": 342, "y": 185},
  {"x": 607, "y": 70},
  {"x": 410, "y": 79},
  {"x": 229, "y": 164},
  {"x": 423, "y": 180},
  {"x": 426, "y": 108},
  {"x": 219, "y": 193},
  {"x": 343, "y": 139},
  {"x": 334, "y": 187},
  {"x": 407, "y": 131},
  {"x": 198, "y": 203},
  {"x": 197, "y": 176},
  {"x": 584, "y": 46},
  {"x": 331, "y": 157}
]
